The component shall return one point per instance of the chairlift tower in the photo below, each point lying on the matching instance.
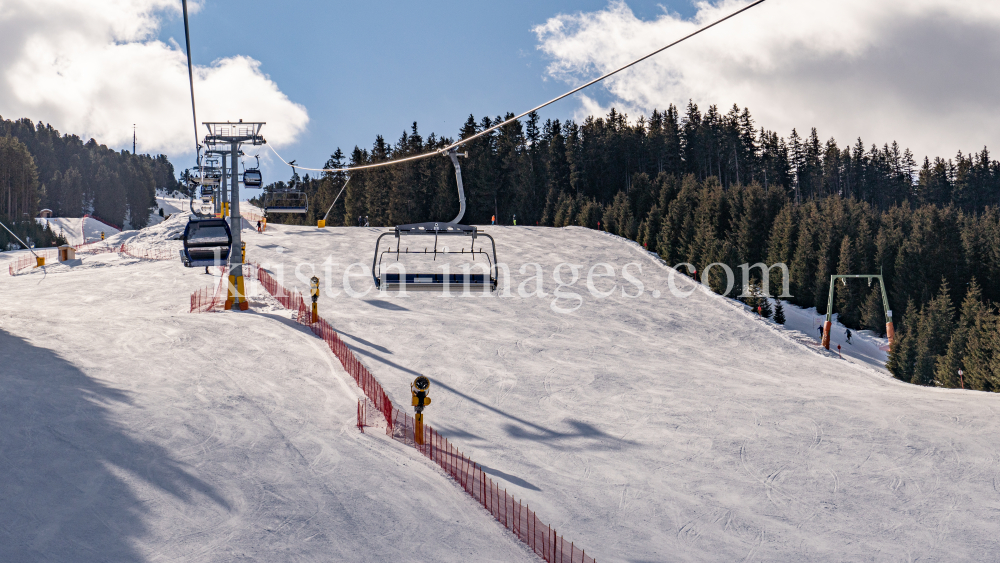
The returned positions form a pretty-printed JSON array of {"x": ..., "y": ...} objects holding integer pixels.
[
  {"x": 234, "y": 134},
  {"x": 222, "y": 152}
]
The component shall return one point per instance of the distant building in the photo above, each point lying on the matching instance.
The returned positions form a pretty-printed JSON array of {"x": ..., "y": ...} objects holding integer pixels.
[{"x": 46, "y": 213}]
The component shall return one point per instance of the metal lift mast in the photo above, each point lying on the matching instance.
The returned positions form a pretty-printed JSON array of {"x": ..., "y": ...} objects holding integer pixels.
[{"x": 234, "y": 135}]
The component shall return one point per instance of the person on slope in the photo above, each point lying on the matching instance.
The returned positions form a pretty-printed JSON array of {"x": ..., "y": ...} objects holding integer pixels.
[
  {"x": 258, "y": 226},
  {"x": 820, "y": 329},
  {"x": 493, "y": 220},
  {"x": 848, "y": 336},
  {"x": 515, "y": 219},
  {"x": 366, "y": 221}
]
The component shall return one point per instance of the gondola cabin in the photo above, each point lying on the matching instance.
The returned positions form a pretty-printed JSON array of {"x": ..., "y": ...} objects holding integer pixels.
[
  {"x": 252, "y": 178},
  {"x": 207, "y": 242}
]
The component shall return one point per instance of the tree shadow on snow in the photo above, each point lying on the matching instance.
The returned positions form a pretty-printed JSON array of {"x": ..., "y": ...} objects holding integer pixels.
[
  {"x": 69, "y": 470},
  {"x": 508, "y": 477},
  {"x": 536, "y": 432}
]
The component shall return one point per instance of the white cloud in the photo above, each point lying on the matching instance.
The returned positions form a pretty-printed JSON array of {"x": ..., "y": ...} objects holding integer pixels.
[
  {"x": 94, "y": 67},
  {"x": 918, "y": 71}
]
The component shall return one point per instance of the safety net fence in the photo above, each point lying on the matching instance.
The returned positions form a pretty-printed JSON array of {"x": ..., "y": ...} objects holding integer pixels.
[
  {"x": 510, "y": 512},
  {"x": 211, "y": 298}
]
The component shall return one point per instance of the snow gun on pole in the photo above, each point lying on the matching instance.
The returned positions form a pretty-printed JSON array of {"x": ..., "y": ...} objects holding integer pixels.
[{"x": 419, "y": 388}]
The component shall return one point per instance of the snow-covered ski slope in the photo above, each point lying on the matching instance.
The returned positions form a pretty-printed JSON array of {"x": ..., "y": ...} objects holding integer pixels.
[
  {"x": 133, "y": 430},
  {"x": 669, "y": 429},
  {"x": 78, "y": 230},
  {"x": 643, "y": 429}
]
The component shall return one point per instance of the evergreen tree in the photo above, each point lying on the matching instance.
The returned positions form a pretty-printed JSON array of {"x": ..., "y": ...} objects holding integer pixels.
[{"x": 779, "y": 312}]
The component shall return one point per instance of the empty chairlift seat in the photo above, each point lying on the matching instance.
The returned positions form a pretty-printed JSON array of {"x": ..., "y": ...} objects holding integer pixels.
[
  {"x": 286, "y": 202},
  {"x": 425, "y": 255},
  {"x": 207, "y": 242}
]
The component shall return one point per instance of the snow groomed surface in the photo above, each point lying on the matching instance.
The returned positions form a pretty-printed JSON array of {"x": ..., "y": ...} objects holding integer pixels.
[
  {"x": 646, "y": 428},
  {"x": 508, "y": 511},
  {"x": 665, "y": 428},
  {"x": 136, "y": 431}
]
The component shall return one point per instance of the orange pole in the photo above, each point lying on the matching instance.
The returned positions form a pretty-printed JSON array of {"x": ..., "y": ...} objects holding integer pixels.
[{"x": 826, "y": 334}]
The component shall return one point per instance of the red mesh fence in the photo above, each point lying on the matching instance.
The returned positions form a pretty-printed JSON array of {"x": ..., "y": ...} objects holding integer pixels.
[
  {"x": 90, "y": 247},
  {"x": 510, "y": 512},
  {"x": 148, "y": 253},
  {"x": 108, "y": 223},
  {"x": 28, "y": 261},
  {"x": 211, "y": 298}
]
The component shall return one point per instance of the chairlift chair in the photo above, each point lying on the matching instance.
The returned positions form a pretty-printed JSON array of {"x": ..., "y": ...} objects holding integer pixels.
[
  {"x": 432, "y": 251},
  {"x": 207, "y": 242},
  {"x": 444, "y": 281},
  {"x": 286, "y": 201}
]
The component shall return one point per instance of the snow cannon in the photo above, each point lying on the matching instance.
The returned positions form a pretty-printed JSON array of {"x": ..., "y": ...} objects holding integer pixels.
[
  {"x": 419, "y": 388},
  {"x": 314, "y": 292}
]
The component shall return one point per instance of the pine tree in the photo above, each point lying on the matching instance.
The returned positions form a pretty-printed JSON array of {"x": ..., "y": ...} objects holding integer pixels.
[
  {"x": 779, "y": 312},
  {"x": 765, "y": 307},
  {"x": 872, "y": 312},
  {"x": 973, "y": 312},
  {"x": 933, "y": 335}
]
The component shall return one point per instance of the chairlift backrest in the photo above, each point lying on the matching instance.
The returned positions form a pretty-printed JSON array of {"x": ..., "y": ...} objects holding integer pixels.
[{"x": 435, "y": 281}]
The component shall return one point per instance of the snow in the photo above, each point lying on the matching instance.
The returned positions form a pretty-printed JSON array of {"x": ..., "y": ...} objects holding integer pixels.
[
  {"x": 78, "y": 230},
  {"x": 177, "y": 202},
  {"x": 136, "y": 431},
  {"x": 666, "y": 428},
  {"x": 643, "y": 429},
  {"x": 865, "y": 347}
]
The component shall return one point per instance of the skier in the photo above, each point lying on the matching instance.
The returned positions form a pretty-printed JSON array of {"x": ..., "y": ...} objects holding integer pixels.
[
  {"x": 849, "y": 336},
  {"x": 258, "y": 225},
  {"x": 820, "y": 329},
  {"x": 359, "y": 220},
  {"x": 493, "y": 220},
  {"x": 515, "y": 219},
  {"x": 366, "y": 221}
]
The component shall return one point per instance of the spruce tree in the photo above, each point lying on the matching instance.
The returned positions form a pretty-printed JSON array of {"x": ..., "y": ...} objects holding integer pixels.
[
  {"x": 779, "y": 312},
  {"x": 973, "y": 312}
]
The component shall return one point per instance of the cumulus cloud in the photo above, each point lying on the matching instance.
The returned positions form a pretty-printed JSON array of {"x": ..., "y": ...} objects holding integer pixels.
[
  {"x": 95, "y": 67},
  {"x": 917, "y": 71}
]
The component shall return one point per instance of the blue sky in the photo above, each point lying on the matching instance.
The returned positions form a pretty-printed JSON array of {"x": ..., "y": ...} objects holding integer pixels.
[
  {"x": 327, "y": 75},
  {"x": 363, "y": 69}
]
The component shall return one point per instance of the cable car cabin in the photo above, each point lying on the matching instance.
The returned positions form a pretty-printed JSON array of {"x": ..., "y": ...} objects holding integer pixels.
[
  {"x": 207, "y": 242},
  {"x": 286, "y": 202},
  {"x": 435, "y": 257},
  {"x": 252, "y": 178}
]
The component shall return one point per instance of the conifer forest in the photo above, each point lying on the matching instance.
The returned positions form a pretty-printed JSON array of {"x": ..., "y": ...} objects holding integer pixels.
[{"x": 711, "y": 187}]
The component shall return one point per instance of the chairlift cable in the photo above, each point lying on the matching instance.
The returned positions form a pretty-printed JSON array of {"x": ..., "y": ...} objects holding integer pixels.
[
  {"x": 515, "y": 118},
  {"x": 187, "y": 41}
]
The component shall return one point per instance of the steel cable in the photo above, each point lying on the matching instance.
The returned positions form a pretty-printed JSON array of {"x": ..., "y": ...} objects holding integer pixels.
[{"x": 519, "y": 116}]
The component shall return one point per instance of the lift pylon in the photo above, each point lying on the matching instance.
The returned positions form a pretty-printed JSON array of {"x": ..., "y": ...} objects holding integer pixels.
[
  {"x": 231, "y": 135},
  {"x": 889, "y": 330}
]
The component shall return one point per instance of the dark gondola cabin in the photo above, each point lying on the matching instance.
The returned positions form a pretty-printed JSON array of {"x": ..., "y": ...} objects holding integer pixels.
[{"x": 207, "y": 242}]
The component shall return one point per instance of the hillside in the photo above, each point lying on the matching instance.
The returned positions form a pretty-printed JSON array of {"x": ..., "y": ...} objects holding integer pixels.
[{"x": 644, "y": 429}]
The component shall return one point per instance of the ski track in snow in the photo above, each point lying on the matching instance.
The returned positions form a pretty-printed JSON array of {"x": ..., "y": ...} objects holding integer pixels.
[
  {"x": 136, "y": 431},
  {"x": 648, "y": 429}
]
